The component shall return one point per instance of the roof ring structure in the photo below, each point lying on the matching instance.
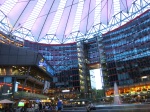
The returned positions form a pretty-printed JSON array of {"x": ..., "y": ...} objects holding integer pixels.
[{"x": 65, "y": 21}]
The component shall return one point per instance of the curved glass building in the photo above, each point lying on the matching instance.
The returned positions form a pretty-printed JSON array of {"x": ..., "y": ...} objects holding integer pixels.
[
  {"x": 126, "y": 57},
  {"x": 75, "y": 36}
]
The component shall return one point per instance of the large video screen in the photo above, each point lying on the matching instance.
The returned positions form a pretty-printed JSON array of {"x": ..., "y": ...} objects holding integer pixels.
[
  {"x": 21, "y": 104},
  {"x": 45, "y": 67}
]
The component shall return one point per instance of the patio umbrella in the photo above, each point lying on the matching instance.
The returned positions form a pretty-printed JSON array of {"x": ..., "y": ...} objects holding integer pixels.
[{"x": 6, "y": 101}]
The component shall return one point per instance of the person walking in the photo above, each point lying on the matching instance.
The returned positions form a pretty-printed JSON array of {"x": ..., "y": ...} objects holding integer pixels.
[{"x": 59, "y": 105}]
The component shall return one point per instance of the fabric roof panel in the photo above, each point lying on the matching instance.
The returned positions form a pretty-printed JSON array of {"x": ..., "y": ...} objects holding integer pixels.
[
  {"x": 88, "y": 6},
  {"x": 91, "y": 15},
  {"x": 45, "y": 18},
  {"x": 125, "y": 5},
  {"x": 67, "y": 19},
  {"x": 20, "y": 12},
  {"x": 107, "y": 10},
  {"x": 1, "y": 2},
  {"x": 40, "y": 21},
  {"x": 72, "y": 17}
]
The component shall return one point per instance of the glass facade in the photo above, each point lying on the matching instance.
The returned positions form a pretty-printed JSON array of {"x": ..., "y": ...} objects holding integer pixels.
[
  {"x": 92, "y": 50},
  {"x": 126, "y": 53},
  {"x": 64, "y": 60},
  {"x": 70, "y": 62}
]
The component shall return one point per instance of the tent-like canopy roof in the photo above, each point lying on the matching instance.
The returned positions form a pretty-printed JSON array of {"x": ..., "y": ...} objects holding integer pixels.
[{"x": 64, "y": 21}]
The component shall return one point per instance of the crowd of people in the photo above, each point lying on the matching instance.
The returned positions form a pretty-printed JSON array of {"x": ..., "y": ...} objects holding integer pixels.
[
  {"x": 42, "y": 107},
  {"x": 35, "y": 107}
]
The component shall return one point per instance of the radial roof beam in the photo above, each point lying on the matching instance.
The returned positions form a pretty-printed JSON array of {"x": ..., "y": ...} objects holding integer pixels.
[
  {"x": 20, "y": 12},
  {"x": 67, "y": 19},
  {"x": 97, "y": 12},
  {"x": 107, "y": 11},
  {"x": 87, "y": 19},
  {"x": 45, "y": 18}
]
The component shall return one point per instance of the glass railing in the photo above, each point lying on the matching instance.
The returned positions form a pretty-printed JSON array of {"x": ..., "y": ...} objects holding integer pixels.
[{"x": 22, "y": 94}]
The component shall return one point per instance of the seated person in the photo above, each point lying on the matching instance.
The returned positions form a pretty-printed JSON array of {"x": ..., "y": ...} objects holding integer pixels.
[{"x": 90, "y": 107}]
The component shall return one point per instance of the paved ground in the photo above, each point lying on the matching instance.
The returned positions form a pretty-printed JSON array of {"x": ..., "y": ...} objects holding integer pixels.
[{"x": 113, "y": 108}]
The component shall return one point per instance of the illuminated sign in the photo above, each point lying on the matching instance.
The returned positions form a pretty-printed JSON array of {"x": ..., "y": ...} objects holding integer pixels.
[
  {"x": 45, "y": 66},
  {"x": 42, "y": 62},
  {"x": 65, "y": 91}
]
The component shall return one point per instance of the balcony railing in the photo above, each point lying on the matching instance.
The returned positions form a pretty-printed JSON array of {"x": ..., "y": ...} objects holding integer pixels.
[{"x": 22, "y": 94}]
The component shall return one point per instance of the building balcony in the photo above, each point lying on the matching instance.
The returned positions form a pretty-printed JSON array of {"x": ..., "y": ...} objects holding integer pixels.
[{"x": 27, "y": 95}]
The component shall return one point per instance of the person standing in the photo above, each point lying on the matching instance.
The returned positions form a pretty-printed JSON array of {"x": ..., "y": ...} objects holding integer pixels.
[
  {"x": 40, "y": 106},
  {"x": 36, "y": 107},
  {"x": 59, "y": 105}
]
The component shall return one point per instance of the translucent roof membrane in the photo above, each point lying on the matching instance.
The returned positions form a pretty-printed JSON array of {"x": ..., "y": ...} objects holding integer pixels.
[
  {"x": 2, "y": 1},
  {"x": 65, "y": 21}
]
